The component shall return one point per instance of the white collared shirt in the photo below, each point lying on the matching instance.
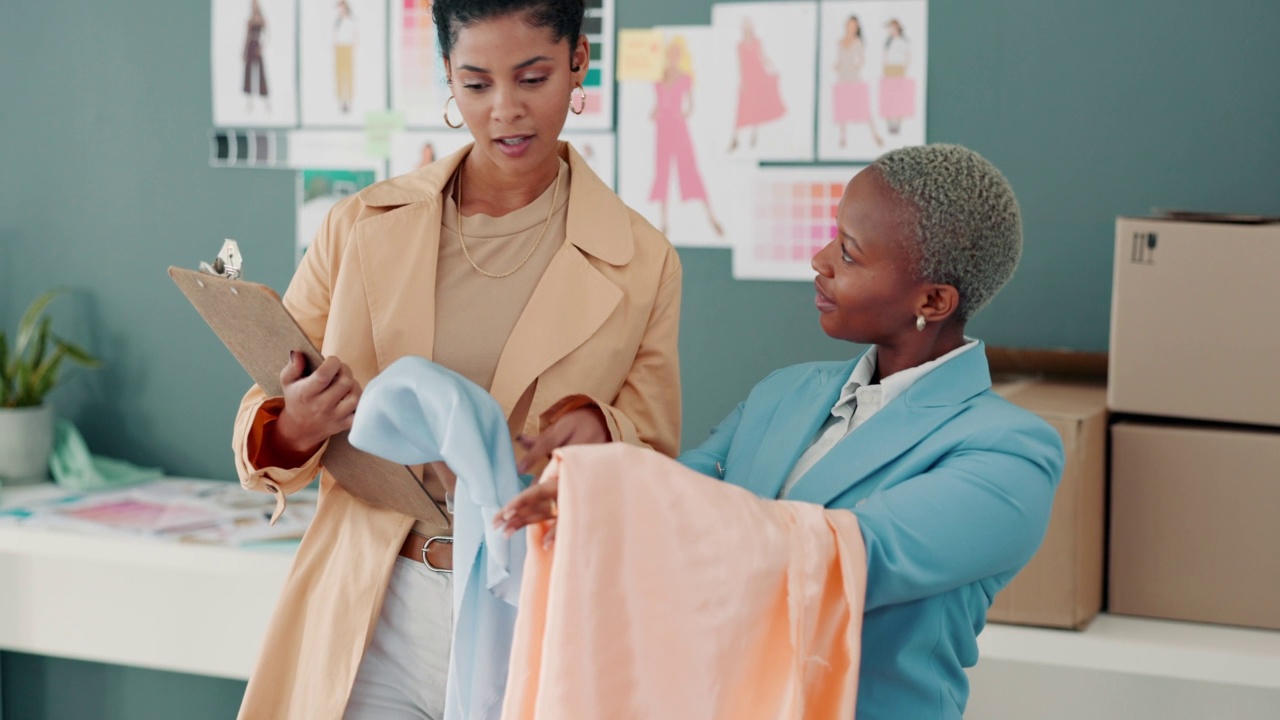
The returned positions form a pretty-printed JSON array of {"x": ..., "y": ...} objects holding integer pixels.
[{"x": 858, "y": 402}]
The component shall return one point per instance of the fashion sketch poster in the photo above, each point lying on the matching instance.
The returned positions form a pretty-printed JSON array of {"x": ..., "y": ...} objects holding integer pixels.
[
  {"x": 873, "y": 56},
  {"x": 343, "y": 61},
  {"x": 767, "y": 99},
  {"x": 419, "y": 86},
  {"x": 673, "y": 169},
  {"x": 253, "y": 63},
  {"x": 415, "y": 149}
]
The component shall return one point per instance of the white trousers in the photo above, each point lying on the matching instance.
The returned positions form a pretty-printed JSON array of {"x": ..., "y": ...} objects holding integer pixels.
[{"x": 403, "y": 673}]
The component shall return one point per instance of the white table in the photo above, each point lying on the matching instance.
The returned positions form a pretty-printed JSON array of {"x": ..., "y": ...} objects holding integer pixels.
[{"x": 203, "y": 610}]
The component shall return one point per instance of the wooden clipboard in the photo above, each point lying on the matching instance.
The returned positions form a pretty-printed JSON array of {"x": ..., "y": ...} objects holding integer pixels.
[{"x": 255, "y": 326}]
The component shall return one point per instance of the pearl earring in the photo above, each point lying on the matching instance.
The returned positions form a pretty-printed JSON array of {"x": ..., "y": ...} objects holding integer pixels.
[{"x": 920, "y": 323}]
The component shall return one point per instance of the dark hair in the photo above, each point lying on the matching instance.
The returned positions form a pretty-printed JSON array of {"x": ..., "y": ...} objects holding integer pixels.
[
  {"x": 901, "y": 33},
  {"x": 562, "y": 17},
  {"x": 855, "y": 19}
]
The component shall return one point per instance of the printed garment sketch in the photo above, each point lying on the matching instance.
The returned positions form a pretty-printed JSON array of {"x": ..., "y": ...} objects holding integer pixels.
[
  {"x": 759, "y": 94},
  {"x": 252, "y": 56},
  {"x": 897, "y": 90},
  {"x": 852, "y": 95},
  {"x": 674, "y": 104},
  {"x": 344, "y": 50}
]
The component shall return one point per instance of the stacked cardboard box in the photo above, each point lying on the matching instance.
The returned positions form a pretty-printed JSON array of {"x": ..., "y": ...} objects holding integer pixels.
[
  {"x": 1194, "y": 380},
  {"x": 1062, "y": 585}
]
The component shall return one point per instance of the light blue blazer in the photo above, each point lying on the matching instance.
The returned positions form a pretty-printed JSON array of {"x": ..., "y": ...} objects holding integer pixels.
[{"x": 952, "y": 486}]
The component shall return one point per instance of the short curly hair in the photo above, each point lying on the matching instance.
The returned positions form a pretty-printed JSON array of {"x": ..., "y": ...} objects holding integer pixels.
[
  {"x": 968, "y": 229},
  {"x": 562, "y": 17}
]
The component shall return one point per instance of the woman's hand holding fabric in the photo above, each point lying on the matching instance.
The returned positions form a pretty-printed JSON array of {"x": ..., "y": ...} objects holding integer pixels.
[
  {"x": 583, "y": 426},
  {"x": 537, "y": 504}
]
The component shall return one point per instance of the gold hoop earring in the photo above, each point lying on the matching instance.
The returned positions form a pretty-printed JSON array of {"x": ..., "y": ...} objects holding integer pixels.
[
  {"x": 582, "y": 106},
  {"x": 920, "y": 322},
  {"x": 446, "y": 114}
]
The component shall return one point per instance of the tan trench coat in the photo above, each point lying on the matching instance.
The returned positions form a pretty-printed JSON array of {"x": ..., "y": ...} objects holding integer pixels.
[{"x": 602, "y": 323}]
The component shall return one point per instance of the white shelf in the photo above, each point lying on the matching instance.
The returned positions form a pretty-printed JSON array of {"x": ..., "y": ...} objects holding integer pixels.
[
  {"x": 1141, "y": 646},
  {"x": 1126, "y": 668}
]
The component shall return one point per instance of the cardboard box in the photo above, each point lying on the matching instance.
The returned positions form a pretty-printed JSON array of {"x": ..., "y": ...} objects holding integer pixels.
[
  {"x": 1193, "y": 327},
  {"x": 1062, "y": 585},
  {"x": 1194, "y": 527}
]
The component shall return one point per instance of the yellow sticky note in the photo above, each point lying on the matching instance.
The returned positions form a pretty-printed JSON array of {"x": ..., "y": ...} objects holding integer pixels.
[{"x": 639, "y": 55}]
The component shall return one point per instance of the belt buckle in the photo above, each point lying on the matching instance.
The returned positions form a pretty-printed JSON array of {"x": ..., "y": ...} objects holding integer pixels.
[{"x": 427, "y": 544}]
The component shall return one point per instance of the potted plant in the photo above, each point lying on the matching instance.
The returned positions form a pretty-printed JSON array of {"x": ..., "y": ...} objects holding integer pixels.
[{"x": 29, "y": 370}]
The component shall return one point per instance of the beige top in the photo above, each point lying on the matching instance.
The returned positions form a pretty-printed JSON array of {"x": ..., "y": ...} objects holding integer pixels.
[
  {"x": 849, "y": 59},
  {"x": 475, "y": 313}
]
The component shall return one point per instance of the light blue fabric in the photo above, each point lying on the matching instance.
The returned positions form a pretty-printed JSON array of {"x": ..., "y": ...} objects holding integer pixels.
[
  {"x": 73, "y": 466},
  {"x": 414, "y": 412},
  {"x": 952, "y": 486}
]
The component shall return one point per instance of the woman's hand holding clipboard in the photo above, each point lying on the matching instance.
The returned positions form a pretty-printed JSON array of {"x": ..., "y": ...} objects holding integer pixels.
[{"x": 253, "y": 323}]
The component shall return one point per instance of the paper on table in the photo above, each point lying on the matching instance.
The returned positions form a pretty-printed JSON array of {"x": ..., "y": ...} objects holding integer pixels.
[{"x": 173, "y": 510}]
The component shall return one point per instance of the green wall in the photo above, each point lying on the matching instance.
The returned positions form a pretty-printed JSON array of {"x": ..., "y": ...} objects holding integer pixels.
[
  {"x": 42, "y": 687},
  {"x": 1091, "y": 108}
]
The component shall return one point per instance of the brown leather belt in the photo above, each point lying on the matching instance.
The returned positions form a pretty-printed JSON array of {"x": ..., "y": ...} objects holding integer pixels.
[{"x": 434, "y": 552}]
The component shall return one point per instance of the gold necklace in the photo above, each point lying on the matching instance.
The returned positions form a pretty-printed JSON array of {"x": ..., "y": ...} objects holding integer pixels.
[{"x": 555, "y": 195}]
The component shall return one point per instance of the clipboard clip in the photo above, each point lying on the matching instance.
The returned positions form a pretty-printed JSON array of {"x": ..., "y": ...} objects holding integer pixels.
[{"x": 229, "y": 263}]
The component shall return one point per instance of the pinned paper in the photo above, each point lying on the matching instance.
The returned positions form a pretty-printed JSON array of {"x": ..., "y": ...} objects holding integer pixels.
[
  {"x": 342, "y": 61},
  {"x": 330, "y": 149},
  {"x": 639, "y": 55},
  {"x": 671, "y": 140},
  {"x": 245, "y": 148},
  {"x": 419, "y": 87},
  {"x": 793, "y": 216},
  {"x": 378, "y": 129},
  {"x": 872, "y": 77},
  {"x": 766, "y": 102},
  {"x": 596, "y": 99},
  {"x": 254, "y": 63},
  {"x": 318, "y": 191}
]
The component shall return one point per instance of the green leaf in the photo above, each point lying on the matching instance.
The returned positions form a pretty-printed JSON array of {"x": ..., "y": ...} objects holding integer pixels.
[
  {"x": 31, "y": 368},
  {"x": 5, "y": 376},
  {"x": 77, "y": 353},
  {"x": 41, "y": 345},
  {"x": 27, "y": 325},
  {"x": 44, "y": 385},
  {"x": 23, "y": 382},
  {"x": 47, "y": 369}
]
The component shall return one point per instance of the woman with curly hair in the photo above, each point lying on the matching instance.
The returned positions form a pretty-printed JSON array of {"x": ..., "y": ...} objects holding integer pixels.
[{"x": 951, "y": 484}]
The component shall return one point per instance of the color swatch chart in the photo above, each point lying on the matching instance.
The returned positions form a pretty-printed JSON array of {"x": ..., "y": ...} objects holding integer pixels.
[
  {"x": 246, "y": 148},
  {"x": 795, "y": 210},
  {"x": 418, "y": 87},
  {"x": 597, "y": 26}
]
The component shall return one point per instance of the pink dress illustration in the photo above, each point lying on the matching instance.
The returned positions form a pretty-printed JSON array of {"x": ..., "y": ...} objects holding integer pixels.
[
  {"x": 759, "y": 92},
  {"x": 674, "y": 104},
  {"x": 759, "y": 97},
  {"x": 674, "y": 143}
]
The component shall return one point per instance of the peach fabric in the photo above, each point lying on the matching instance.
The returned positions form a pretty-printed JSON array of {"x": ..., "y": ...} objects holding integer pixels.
[{"x": 669, "y": 594}]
